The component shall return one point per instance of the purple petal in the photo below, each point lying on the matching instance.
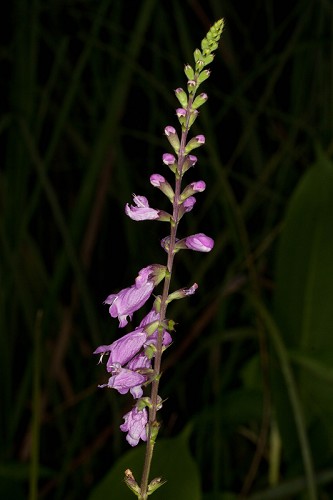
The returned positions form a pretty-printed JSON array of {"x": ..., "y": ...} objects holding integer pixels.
[
  {"x": 135, "y": 425},
  {"x": 125, "y": 380},
  {"x": 141, "y": 211},
  {"x": 199, "y": 242}
]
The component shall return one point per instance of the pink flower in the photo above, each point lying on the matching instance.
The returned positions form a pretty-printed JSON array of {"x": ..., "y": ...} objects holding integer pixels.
[
  {"x": 142, "y": 211},
  {"x": 127, "y": 301},
  {"x": 199, "y": 242},
  {"x": 135, "y": 425},
  {"x": 130, "y": 299},
  {"x": 124, "y": 349},
  {"x": 124, "y": 380}
]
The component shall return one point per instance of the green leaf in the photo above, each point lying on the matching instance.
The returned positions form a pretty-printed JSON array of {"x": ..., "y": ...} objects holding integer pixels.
[
  {"x": 303, "y": 302},
  {"x": 172, "y": 460}
]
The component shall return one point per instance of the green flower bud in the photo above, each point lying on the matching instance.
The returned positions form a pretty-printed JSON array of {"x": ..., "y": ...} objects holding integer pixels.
[
  {"x": 193, "y": 115},
  {"x": 208, "y": 59},
  {"x": 172, "y": 137},
  {"x": 199, "y": 100},
  {"x": 199, "y": 65},
  {"x": 197, "y": 55},
  {"x": 191, "y": 86},
  {"x": 189, "y": 72},
  {"x": 203, "y": 75}
]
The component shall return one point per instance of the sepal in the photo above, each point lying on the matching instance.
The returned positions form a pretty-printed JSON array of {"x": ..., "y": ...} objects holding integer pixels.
[
  {"x": 182, "y": 293},
  {"x": 131, "y": 483},
  {"x": 155, "y": 484}
]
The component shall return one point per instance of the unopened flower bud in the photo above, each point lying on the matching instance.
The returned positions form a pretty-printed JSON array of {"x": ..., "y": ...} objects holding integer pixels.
[
  {"x": 181, "y": 96},
  {"x": 194, "y": 187},
  {"x": 199, "y": 64},
  {"x": 199, "y": 242},
  {"x": 189, "y": 162},
  {"x": 205, "y": 73},
  {"x": 191, "y": 86},
  {"x": 199, "y": 100},
  {"x": 189, "y": 72},
  {"x": 189, "y": 204},
  {"x": 172, "y": 137},
  {"x": 209, "y": 58},
  {"x": 195, "y": 142},
  {"x": 159, "y": 181},
  {"x": 197, "y": 55},
  {"x": 193, "y": 115},
  {"x": 181, "y": 113}
]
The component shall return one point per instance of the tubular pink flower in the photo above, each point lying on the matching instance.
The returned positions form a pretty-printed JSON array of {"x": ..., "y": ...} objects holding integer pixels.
[
  {"x": 124, "y": 349},
  {"x": 135, "y": 425},
  {"x": 127, "y": 301},
  {"x": 139, "y": 362},
  {"x": 199, "y": 242},
  {"x": 124, "y": 380},
  {"x": 130, "y": 299},
  {"x": 142, "y": 211}
]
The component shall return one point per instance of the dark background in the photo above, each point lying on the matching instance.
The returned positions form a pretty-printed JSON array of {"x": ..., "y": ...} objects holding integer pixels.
[{"x": 86, "y": 91}]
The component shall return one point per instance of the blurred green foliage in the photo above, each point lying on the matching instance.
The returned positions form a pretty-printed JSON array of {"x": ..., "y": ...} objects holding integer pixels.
[{"x": 87, "y": 89}]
